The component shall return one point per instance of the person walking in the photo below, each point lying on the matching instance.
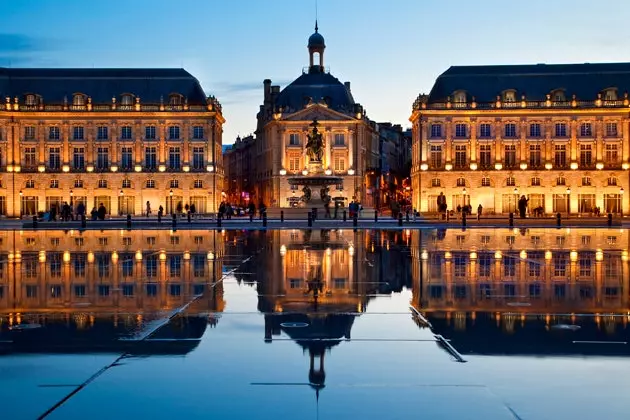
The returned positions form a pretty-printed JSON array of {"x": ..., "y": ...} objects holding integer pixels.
[
  {"x": 148, "y": 209},
  {"x": 479, "y": 210},
  {"x": 522, "y": 206}
]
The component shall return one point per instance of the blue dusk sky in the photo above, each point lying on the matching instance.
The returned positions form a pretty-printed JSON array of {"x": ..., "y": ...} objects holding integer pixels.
[{"x": 389, "y": 50}]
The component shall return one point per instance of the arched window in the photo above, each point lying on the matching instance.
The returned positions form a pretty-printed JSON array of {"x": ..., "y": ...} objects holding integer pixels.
[
  {"x": 461, "y": 182},
  {"x": 175, "y": 99},
  {"x": 126, "y": 99},
  {"x": 509, "y": 96},
  {"x": 30, "y": 100},
  {"x": 558, "y": 95},
  {"x": 459, "y": 96},
  {"x": 78, "y": 99}
]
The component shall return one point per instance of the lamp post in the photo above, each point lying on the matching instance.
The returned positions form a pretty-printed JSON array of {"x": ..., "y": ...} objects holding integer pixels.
[
  {"x": 171, "y": 195},
  {"x": 568, "y": 201},
  {"x": 121, "y": 202},
  {"x": 621, "y": 191},
  {"x": 71, "y": 195},
  {"x": 515, "y": 199},
  {"x": 21, "y": 209}
]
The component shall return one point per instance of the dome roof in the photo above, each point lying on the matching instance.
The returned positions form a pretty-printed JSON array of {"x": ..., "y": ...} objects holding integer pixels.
[
  {"x": 316, "y": 40},
  {"x": 316, "y": 87}
]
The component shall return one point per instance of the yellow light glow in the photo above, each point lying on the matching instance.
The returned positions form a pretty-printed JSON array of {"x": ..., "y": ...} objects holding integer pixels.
[
  {"x": 599, "y": 165},
  {"x": 186, "y": 168},
  {"x": 89, "y": 168},
  {"x": 548, "y": 165},
  {"x": 473, "y": 255},
  {"x": 447, "y": 255},
  {"x": 162, "y": 168},
  {"x": 114, "y": 257},
  {"x": 548, "y": 255},
  {"x": 283, "y": 250},
  {"x": 41, "y": 168},
  {"x": 351, "y": 250},
  {"x": 523, "y": 166},
  {"x": 113, "y": 168},
  {"x": 350, "y": 172},
  {"x": 90, "y": 257},
  {"x": 138, "y": 255},
  {"x": 328, "y": 172},
  {"x": 424, "y": 167},
  {"x": 210, "y": 168},
  {"x": 162, "y": 256},
  {"x": 305, "y": 172},
  {"x": 523, "y": 255},
  {"x": 17, "y": 168},
  {"x": 424, "y": 255},
  {"x": 65, "y": 168},
  {"x": 473, "y": 166},
  {"x": 625, "y": 166},
  {"x": 448, "y": 166},
  {"x": 599, "y": 255},
  {"x": 573, "y": 255},
  {"x": 498, "y": 255},
  {"x": 210, "y": 256},
  {"x": 624, "y": 255},
  {"x": 282, "y": 172},
  {"x": 66, "y": 257},
  {"x": 42, "y": 256},
  {"x": 137, "y": 168},
  {"x": 498, "y": 166},
  {"x": 574, "y": 165},
  {"x": 186, "y": 255}
]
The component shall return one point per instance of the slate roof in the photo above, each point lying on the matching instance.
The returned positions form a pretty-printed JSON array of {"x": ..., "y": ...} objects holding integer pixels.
[
  {"x": 315, "y": 86},
  {"x": 535, "y": 81},
  {"x": 100, "y": 84}
]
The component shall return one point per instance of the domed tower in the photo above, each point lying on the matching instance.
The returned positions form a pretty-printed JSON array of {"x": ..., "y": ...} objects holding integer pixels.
[{"x": 316, "y": 47}]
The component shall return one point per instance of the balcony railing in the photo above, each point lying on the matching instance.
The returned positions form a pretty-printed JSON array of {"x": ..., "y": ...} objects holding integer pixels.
[
  {"x": 212, "y": 105},
  {"x": 422, "y": 104}
]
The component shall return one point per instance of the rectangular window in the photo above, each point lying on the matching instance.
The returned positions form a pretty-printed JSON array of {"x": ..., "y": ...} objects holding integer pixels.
[
  {"x": 127, "y": 266},
  {"x": 29, "y": 132},
  {"x": 560, "y": 158},
  {"x": 53, "y": 133},
  {"x": 294, "y": 163},
  {"x": 436, "y": 182},
  {"x": 103, "y": 290},
  {"x": 611, "y": 129},
  {"x": 436, "y": 156},
  {"x": 561, "y": 129},
  {"x": 102, "y": 132},
  {"x": 534, "y": 130},
  {"x": 78, "y": 133},
  {"x": 175, "y": 268},
  {"x": 294, "y": 139},
  {"x": 54, "y": 183},
  {"x": 173, "y": 132},
  {"x": 79, "y": 265},
  {"x": 340, "y": 140},
  {"x": 586, "y": 156},
  {"x": 436, "y": 130},
  {"x": 54, "y": 158},
  {"x": 198, "y": 161},
  {"x": 198, "y": 132},
  {"x": 484, "y": 130},
  {"x": 461, "y": 130},
  {"x": 535, "y": 182},
  {"x": 149, "y": 132},
  {"x": 340, "y": 164},
  {"x": 125, "y": 132},
  {"x": 55, "y": 265},
  {"x": 103, "y": 265},
  {"x": 78, "y": 158},
  {"x": 151, "y": 265},
  {"x": 510, "y": 130},
  {"x": 30, "y": 160},
  {"x": 460, "y": 156},
  {"x": 485, "y": 156},
  {"x": 586, "y": 130},
  {"x": 535, "y": 156},
  {"x": 174, "y": 158},
  {"x": 612, "y": 155},
  {"x": 199, "y": 265},
  {"x": 126, "y": 161},
  {"x": 150, "y": 157},
  {"x": 102, "y": 158},
  {"x": 510, "y": 155}
]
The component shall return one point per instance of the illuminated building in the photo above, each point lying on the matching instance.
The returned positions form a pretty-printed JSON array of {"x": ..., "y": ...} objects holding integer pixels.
[
  {"x": 556, "y": 134},
  {"x": 120, "y": 137},
  {"x": 282, "y": 133}
]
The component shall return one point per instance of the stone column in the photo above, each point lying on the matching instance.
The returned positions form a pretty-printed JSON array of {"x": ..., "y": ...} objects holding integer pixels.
[
  {"x": 449, "y": 141},
  {"x": 329, "y": 139},
  {"x": 137, "y": 144},
  {"x": 41, "y": 144},
  {"x": 523, "y": 155},
  {"x": 498, "y": 144},
  {"x": 351, "y": 136},
  {"x": 186, "y": 144},
  {"x": 423, "y": 139},
  {"x": 625, "y": 146},
  {"x": 473, "y": 140},
  {"x": 65, "y": 150},
  {"x": 549, "y": 157},
  {"x": 573, "y": 145},
  {"x": 162, "y": 142},
  {"x": 114, "y": 140},
  {"x": 599, "y": 140},
  {"x": 89, "y": 149}
]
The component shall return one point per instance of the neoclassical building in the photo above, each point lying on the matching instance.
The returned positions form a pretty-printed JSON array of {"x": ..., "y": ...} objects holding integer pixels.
[
  {"x": 558, "y": 134},
  {"x": 284, "y": 123},
  {"x": 120, "y": 137}
]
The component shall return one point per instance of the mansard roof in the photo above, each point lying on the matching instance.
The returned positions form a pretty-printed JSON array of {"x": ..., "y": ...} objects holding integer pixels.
[
  {"x": 315, "y": 87},
  {"x": 55, "y": 84},
  {"x": 536, "y": 81}
]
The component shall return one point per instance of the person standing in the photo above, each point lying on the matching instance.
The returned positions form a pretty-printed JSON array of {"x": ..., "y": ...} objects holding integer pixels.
[
  {"x": 479, "y": 210},
  {"x": 522, "y": 206},
  {"x": 148, "y": 209}
]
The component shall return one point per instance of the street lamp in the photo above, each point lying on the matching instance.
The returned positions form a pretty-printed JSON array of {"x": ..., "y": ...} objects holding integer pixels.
[
  {"x": 120, "y": 203},
  {"x": 21, "y": 210},
  {"x": 568, "y": 200},
  {"x": 621, "y": 191},
  {"x": 71, "y": 194},
  {"x": 171, "y": 194}
]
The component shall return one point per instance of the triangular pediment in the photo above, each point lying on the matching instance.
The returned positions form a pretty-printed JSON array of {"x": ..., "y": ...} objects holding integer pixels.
[{"x": 322, "y": 114}]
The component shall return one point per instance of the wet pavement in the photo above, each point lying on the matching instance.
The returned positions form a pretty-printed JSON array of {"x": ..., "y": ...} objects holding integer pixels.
[{"x": 328, "y": 324}]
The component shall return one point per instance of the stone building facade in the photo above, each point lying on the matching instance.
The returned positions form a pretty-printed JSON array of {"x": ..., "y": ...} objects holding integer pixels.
[
  {"x": 556, "y": 134},
  {"x": 283, "y": 125},
  {"x": 120, "y": 137}
]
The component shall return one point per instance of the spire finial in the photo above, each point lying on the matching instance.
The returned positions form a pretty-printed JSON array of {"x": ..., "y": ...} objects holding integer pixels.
[
  {"x": 316, "y": 16},
  {"x": 316, "y": 28}
]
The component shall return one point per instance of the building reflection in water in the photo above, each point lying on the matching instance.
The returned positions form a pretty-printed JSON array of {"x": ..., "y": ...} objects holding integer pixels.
[
  {"x": 531, "y": 291},
  {"x": 313, "y": 284},
  {"x": 86, "y": 290}
]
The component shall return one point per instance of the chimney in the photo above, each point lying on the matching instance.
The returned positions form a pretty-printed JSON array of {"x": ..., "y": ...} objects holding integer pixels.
[
  {"x": 347, "y": 85},
  {"x": 267, "y": 89}
]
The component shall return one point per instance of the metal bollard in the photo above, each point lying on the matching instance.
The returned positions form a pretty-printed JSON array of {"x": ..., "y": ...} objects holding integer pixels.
[
  {"x": 464, "y": 219},
  {"x": 188, "y": 217},
  {"x": 376, "y": 215},
  {"x": 128, "y": 221},
  {"x": 314, "y": 214},
  {"x": 282, "y": 216},
  {"x": 558, "y": 220},
  {"x": 511, "y": 222},
  {"x": 609, "y": 219},
  {"x": 174, "y": 220},
  {"x": 355, "y": 220},
  {"x": 83, "y": 221},
  {"x": 35, "y": 223},
  {"x": 219, "y": 219},
  {"x": 251, "y": 217},
  {"x": 309, "y": 219},
  {"x": 400, "y": 219},
  {"x": 265, "y": 219},
  {"x": 159, "y": 217},
  {"x": 448, "y": 216},
  {"x": 345, "y": 216},
  {"x": 407, "y": 216}
]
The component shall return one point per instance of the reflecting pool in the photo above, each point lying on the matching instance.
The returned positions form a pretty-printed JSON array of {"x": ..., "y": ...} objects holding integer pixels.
[{"x": 330, "y": 324}]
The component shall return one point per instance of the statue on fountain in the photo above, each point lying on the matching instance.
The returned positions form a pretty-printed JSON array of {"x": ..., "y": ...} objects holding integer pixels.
[
  {"x": 315, "y": 144},
  {"x": 323, "y": 193},
  {"x": 307, "y": 194}
]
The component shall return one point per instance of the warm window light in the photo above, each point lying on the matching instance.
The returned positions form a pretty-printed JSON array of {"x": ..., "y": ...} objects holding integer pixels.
[
  {"x": 548, "y": 165},
  {"x": 283, "y": 172},
  {"x": 498, "y": 166},
  {"x": 574, "y": 165},
  {"x": 448, "y": 166}
]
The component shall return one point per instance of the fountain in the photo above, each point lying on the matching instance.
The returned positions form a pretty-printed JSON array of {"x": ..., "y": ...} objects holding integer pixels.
[{"x": 315, "y": 179}]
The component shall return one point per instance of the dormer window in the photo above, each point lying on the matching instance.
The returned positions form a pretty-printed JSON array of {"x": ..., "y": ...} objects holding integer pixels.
[
  {"x": 175, "y": 99},
  {"x": 78, "y": 99},
  {"x": 126, "y": 99},
  {"x": 558, "y": 96},
  {"x": 610, "y": 94},
  {"x": 30, "y": 100},
  {"x": 509, "y": 96},
  {"x": 459, "y": 97}
]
